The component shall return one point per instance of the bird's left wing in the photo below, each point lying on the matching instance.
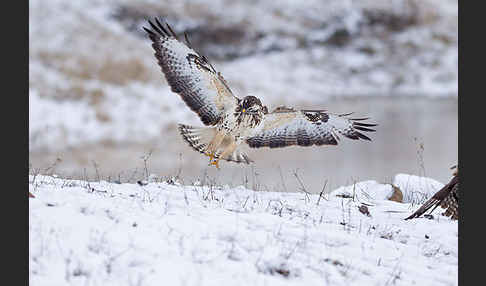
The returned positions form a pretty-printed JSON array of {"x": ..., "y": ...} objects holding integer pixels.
[
  {"x": 191, "y": 75},
  {"x": 286, "y": 127}
]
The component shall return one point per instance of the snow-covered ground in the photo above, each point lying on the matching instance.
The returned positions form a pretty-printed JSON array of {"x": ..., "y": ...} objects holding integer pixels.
[{"x": 163, "y": 233}]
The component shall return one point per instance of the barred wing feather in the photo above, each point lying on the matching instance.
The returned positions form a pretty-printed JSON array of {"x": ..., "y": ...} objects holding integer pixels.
[
  {"x": 191, "y": 75},
  {"x": 286, "y": 127},
  {"x": 447, "y": 198}
]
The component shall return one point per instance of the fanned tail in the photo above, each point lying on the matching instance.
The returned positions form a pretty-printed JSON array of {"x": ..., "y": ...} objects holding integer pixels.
[{"x": 199, "y": 137}]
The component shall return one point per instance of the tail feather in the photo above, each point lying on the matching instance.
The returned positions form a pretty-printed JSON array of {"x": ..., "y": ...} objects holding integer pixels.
[{"x": 199, "y": 137}]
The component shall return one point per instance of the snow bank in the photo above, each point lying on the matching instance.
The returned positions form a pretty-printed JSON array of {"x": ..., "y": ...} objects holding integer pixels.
[
  {"x": 156, "y": 233},
  {"x": 366, "y": 191},
  {"x": 416, "y": 189}
]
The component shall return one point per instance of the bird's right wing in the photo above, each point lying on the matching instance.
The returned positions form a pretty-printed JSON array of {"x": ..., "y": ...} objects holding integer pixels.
[{"x": 191, "y": 75}]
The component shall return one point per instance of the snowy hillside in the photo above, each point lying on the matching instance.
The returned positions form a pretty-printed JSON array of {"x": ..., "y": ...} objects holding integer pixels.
[
  {"x": 164, "y": 233},
  {"x": 93, "y": 77}
]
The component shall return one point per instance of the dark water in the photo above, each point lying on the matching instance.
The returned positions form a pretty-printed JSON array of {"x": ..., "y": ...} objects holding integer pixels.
[{"x": 416, "y": 135}]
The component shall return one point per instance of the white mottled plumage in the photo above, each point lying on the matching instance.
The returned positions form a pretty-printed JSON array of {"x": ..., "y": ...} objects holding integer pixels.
[
  {"x": 232, "y": 120},
  {"x": 290, "y": 127}
]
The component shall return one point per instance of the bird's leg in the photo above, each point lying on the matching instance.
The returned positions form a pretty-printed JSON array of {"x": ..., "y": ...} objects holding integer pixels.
[
  {"x": 213, "y": 146},
  {"x": 230, "y": 149},
  {"x": 210, "y": 155},
  {"x": 215, "y": 163}
]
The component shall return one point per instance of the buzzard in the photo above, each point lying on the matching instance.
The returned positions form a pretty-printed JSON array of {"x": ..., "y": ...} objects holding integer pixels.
[
  {"x": 234, "y": 121},
  {"x": 447, "y": 198}
]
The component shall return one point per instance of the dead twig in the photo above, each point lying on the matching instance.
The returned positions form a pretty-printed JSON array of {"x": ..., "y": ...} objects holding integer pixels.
[
  {"x": 302, "y": 187},
  {"x": 145, "y": 158},
  {"x": 320, "y": 194}
]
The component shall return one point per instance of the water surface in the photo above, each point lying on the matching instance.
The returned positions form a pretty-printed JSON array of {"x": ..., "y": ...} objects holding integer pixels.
[{"x": 416, "y": 135}]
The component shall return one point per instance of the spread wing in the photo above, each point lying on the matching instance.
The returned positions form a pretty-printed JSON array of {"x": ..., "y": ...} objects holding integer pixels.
[
  {"x": 286, "y": 127},
  {"x": 447, "y": 198},
  {"x": 190, "y": 75}
]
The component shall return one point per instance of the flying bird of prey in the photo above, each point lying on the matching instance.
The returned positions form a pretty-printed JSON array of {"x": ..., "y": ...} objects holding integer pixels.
[
  {"x": 447, "y": 198},
  {"x": 236, "y": 121}
]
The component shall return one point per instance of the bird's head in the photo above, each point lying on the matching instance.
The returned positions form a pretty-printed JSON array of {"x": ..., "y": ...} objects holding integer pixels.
[{"x": 252, "y": 105}]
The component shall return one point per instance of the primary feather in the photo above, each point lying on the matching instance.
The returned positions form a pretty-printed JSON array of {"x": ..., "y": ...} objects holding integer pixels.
[
  {"x": 191, "y": 75},
  {"x": 447, "y": 198}
]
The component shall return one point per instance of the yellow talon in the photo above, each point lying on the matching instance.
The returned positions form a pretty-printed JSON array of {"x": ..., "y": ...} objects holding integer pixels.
[
  {"x": 210, "y": 155},
  {"x": 212, "y": 160},
  {"x": 215, "y": 163}
]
